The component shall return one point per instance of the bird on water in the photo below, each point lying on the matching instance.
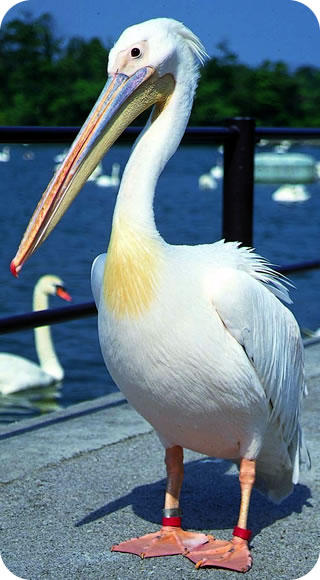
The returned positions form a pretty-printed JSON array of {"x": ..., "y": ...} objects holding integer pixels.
[
  {"x": 18, "y": 373},
  {"x": 196, "y": 337}
]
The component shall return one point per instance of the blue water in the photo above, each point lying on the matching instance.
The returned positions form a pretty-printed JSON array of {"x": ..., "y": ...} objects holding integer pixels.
[{"x": 184, "y": 214}]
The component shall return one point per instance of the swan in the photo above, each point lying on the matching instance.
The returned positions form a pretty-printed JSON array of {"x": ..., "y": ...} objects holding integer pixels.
[
  {"x": 210, "y": 180},
  {"x": 112, "y": 180},
  {"x": 196, "y": 337},
  {"x": 60, "y": 157},
  {"x": 207, "y": 181},
  {"x": 5, "y": 155},
  {"x": 291, "y": 193},
  {"x": 18, "y": 373},
  {"x": 96, "y": 173},
  {"x": 217, "y": 171}
]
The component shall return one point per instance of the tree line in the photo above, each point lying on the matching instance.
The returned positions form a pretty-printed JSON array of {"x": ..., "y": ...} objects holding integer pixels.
[{"x": 46, "y": 81}]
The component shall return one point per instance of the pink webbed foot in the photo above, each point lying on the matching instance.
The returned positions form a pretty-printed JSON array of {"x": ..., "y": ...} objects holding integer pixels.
[
  {"x": 168, "y": 541},
  {"x": 233, "y": 555}
]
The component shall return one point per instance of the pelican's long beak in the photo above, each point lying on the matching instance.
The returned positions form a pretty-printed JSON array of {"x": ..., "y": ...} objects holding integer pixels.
[{"x": 121, "y": 101}]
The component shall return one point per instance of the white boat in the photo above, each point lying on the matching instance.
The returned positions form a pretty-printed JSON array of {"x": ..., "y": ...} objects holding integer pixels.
[{"x": 286, "y": 168}]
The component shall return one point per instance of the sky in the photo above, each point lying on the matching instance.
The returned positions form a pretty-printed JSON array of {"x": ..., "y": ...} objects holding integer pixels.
[{"x": 256, "y": 30}]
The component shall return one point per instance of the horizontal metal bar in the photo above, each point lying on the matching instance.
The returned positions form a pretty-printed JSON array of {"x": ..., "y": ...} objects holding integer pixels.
[
  {"x": 299, "y": 267},
  {"x": 45, "y": 317},
  {"x": 311, "y": 341},
  {"x": 30, "y": 134},
  {"x": 195, "y": 135},
  {"x": 55, "y": 315},
  {"x": 287, "y": 133}
]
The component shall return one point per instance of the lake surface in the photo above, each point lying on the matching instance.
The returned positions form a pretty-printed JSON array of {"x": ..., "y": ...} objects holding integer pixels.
[{"x": 185, "y": 215}]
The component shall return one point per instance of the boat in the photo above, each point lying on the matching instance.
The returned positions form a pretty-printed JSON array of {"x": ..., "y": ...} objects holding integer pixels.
[{"x": 286, "y": 168}]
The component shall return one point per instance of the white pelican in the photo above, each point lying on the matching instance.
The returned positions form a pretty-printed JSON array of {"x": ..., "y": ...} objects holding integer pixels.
[
  {"x": 112, "y": 180},
  {"x": 18, "y": 373},
  {"x": 195, "y": 336}
]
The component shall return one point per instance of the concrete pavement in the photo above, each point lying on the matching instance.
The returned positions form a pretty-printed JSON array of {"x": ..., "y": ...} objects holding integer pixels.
[{"x": 79, "y": 480}]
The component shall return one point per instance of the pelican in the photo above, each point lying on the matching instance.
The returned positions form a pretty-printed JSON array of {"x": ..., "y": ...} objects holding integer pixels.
[
  {"x": 196, "y": 337},
  {"x": 18, "y": 373}
]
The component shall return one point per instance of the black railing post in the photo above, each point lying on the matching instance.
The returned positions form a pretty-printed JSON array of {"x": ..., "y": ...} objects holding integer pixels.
[{"x": 238, "y": 182}]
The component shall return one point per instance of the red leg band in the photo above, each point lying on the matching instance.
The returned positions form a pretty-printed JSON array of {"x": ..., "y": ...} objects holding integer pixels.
[
  {"x": 173, "y": 521},
  {"x": 241, "y": 533}
]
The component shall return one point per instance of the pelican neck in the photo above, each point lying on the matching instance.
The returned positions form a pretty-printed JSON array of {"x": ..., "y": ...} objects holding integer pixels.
[{"x": 154, "y": 147}]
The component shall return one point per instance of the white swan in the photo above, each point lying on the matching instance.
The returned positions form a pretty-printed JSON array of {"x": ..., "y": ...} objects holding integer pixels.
[
  {"x": 112, "y": 180},
  {"x": 207, "y": 181},
  {"x": 210, "y": 180},
  {"x": 96, "y": 173},
  {"x": 60, "y": 156},
  {"x": 291, "y": 193},
  {"x": 5, "y": 155},
  {"x": 18, "y": 373}
]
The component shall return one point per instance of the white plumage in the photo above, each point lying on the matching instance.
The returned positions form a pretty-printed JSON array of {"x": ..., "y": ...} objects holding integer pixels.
[
  {"x": 195, "y": 336},
  {"x": 18, "y": 373},
  {"x": 217, "y": 364},
  {"x": 215, "y": 342}
]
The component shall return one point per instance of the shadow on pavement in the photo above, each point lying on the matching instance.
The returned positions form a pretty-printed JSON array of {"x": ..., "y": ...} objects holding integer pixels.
[{"x": 210, "y": 500}]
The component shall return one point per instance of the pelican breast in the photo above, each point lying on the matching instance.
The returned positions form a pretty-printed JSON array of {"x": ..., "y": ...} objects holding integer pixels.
[{"x": 131, "y": 271}]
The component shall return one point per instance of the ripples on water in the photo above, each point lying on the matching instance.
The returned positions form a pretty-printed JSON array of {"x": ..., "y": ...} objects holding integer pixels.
[{"x": 282, "y": 233}]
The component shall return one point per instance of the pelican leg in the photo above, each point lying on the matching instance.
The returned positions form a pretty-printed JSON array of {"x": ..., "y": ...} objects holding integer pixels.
[
  {"x": 171, "y": 539},
  {"x": 233, "y": 554}
]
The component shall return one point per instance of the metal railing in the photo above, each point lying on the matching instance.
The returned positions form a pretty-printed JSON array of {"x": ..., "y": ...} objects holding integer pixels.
[{"x": 239, "y": 138}]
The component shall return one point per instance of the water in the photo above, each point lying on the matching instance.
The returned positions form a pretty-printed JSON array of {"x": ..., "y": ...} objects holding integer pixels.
[{"x": 184, "y": 214}]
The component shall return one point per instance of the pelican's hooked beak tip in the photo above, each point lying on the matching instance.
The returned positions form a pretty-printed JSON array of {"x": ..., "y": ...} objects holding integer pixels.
[{"x": 14, "y": 269}]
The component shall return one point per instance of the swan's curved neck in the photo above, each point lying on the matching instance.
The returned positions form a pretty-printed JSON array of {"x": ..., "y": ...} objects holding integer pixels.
[
  {"x": 153, "y": 149},
  {"x": 43, "y": 341}
]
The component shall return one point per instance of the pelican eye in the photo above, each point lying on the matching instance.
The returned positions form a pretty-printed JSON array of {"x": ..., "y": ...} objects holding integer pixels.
[{"x": 135, "y": 52}]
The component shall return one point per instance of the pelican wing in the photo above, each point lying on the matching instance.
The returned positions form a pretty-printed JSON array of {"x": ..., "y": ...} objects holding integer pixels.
[
  {"x": 97, "y": 270},
  {"x": 246, "y": 300}
]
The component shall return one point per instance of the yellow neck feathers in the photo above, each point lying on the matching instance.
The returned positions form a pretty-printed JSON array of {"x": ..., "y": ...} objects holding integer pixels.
[{"x": 131, "y": 271}]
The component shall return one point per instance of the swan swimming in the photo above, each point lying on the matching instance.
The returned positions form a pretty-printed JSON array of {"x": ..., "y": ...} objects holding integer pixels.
[{"x": 18, "y": 373}]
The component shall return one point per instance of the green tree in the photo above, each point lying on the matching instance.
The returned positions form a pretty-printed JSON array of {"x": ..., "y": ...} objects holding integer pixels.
[
  {"x": 28, "y": 51},
  {"x": 46, "y": 81}
]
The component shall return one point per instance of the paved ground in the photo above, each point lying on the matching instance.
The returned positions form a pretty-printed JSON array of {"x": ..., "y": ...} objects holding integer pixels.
[{"x": 79, "y": 480}]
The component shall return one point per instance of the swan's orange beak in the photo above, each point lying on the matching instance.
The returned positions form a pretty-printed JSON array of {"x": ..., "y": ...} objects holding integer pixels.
[{"x": 62, "y": 293}]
